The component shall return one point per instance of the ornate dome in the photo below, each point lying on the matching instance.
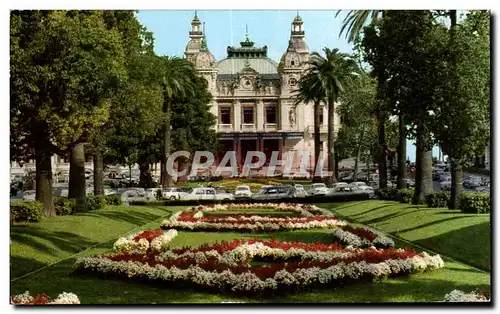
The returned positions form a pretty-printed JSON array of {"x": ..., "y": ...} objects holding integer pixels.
[
  {"x": 204, "y": 59},
  {"x": 235, "y": 65}
]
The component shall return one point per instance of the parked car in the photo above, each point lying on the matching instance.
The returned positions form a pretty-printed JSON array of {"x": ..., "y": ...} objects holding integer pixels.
[
  {"x": 471, "y": 182},
  {"x": 361, "y": 185},
  {"x": 318, "y": 189},
  {"x": 350, "y": 190},
  {"x": 410, "y": 183},
  {"x": 173, "y": 193},
  {"x": 445, "y": 184},
  {"x": 275, "y": 193},
  {"x": 134, "y": 196},
  {"x": 206, "y": 194},
  {"x": 299, "y": 191},
  {"x": 29, "y": 195},
  {"x": 242, "y": 191},
  {"x": 337, "y": 184}
]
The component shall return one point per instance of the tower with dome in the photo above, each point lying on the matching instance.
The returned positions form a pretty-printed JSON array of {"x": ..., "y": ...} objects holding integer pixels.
[{"x": 254, "y": 96}]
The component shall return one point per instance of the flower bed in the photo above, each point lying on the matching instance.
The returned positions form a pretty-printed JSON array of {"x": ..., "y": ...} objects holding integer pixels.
[
  {"x": 144, "y": 241},
  {"x": 193, "y": 219},
  {"x": 43, "y": 299},
  {"x": 460, "y": 296},
  {"x": 228, "y": 265},
  {"x": 361, "y": 237}
]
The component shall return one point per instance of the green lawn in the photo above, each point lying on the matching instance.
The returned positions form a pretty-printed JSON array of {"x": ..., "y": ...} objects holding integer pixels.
[
  {"x": 465, "y": 237},
  {"x": 36, "y": 245}
]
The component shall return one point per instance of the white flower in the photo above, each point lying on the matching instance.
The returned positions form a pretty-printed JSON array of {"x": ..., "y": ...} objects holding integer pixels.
[{"x": 460, "y": 296}]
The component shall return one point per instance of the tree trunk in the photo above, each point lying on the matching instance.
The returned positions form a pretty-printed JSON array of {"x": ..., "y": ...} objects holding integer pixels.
[
  {"x": 98, "y": 173},
  {"x": 337, "y": 162},
  {"x": 317, "y": 140},
  {"x": 44, "y": 181},
  {"x": 368, "y": 161},
  {"x": 145, "y": 179},
  {"x": 423, "y": 172},
  {"x": 166, "y": 153},
  {"x": 402, "y": 153},
  {"x": 331, "y": 142},
  {"x": 382, "y": 162},
  {"x": 456, "y": 185},
  {"x": 72, "y": 177},
  {"x": 356, "y": 165},
  {"x": 130, "y": 175},
  {"x": 77, "y": 168}
]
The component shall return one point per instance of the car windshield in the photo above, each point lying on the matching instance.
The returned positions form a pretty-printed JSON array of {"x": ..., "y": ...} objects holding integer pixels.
[
  {"x": 242, "y": 188},
  {"x": 319, "y": 185}
]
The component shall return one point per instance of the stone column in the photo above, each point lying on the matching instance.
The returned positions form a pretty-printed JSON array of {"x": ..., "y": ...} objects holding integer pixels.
[
  {"x": 237, "y": 115},
  {"x": 260, "y": 115}
]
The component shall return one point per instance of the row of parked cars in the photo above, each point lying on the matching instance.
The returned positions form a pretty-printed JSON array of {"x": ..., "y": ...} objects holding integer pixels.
[{"x": 244, "y": 192}]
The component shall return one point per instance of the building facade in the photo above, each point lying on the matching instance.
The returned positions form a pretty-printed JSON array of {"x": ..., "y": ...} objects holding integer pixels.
[{"x": 254, "y": 96}]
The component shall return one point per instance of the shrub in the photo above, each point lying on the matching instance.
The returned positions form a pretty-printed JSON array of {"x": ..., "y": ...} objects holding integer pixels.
[
  {"x": 405, "y": 195},
  {"x": 475, "y": 203},
  {"x": 113, "y": 199},
  {"x": 437, "y": 199},
  {"x": 95, "y": 202},
  {"x": 64, "y": 206},
  {"x": 26, "y": 211},
  {"x": 388, "y": 194}
]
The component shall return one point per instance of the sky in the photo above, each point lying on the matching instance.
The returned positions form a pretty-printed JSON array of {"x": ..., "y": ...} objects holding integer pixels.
[{"x": 269, "y": 28}]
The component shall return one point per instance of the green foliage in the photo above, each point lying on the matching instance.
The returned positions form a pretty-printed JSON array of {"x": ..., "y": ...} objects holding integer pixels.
[
  {"x": 96, "y": 202},
  {"x": 437, "y": 199},
  {"x": 405, "y": 195},
  {"x": 463, "y": 120},
  {"x": 31, "y": 211},
  {"x": 475, "y": 203},
  {"x": 64, "y": 206},
  {"x": 113, "y": 199},
  {"x": 388, "y": 194}
]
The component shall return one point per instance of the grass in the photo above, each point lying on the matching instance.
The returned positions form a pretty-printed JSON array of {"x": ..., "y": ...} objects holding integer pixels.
[
  {"x": 100, "y": 229},
  {"x": 465, "y": 237}
]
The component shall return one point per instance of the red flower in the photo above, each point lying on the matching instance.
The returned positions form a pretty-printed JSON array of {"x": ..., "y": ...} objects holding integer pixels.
[{"x": 149, "y": 235}]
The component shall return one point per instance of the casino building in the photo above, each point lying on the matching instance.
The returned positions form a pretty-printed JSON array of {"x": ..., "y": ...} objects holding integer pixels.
[{"x": 253, "y": 95}]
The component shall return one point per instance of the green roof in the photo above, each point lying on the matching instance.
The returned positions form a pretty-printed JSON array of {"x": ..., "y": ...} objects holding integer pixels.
[{"x": 235, "y": 65}]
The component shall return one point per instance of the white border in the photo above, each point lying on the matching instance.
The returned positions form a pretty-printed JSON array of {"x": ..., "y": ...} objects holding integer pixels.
[{"x": 215, "y": 4}]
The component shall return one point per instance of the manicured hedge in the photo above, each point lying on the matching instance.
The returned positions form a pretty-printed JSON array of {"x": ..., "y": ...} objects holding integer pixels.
[
  {"x": 405, "y": 195},
  {"x": 113, "y": 199},
  {"x": 64, "y": 206},
  {"x": 95, "y": 202},
  {"x": 437, "y": 199},
  {"x": 26, "y": 211},
  {"x": 475, "y": 203},
  {"x": 387, "y": 194}
]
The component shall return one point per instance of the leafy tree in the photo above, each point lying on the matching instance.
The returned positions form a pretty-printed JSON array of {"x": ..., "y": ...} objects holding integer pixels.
[
  {"x": 355, "y": 20},
  {"x": 357, "y": 106},
  {"x": 463, "y": 121},
  {"x": 64, "y": 65},
  {"x": 409, "y": 50}
]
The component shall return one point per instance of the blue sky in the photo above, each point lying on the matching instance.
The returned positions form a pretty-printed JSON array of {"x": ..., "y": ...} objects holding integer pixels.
[{"x": 265, "y": 27}]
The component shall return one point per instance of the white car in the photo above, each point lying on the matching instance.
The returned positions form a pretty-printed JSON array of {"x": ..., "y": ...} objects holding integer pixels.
[
  {"x": 361, "y": 186},
  {"x": 445, "y": 184},
  {"x": 243, "y": 191},
  {"x": 318, "y": 189},
  {"x": 299, "y": 191},
  {"x": 338, "y": 184},
  {"x": 29, "y": 195},
  {"x": 207, "y": 194},
  {"x": 134, "y": 196},
  {"x": 152, "y": 193},
  {"x": 172, "y": 193}
]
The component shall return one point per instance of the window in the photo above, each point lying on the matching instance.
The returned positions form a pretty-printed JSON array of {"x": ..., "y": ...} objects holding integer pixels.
[
  {"x": 271, "y": 114},
  {"x": 225, "y": 115},
  {"x": 321, "y": 145},
  {"x": 321, "y": 118},
  {"x": 292, "y": 81},
  {"x": 341, "y": 120},
  {"x": 292, "y": 63},
  {"x": 248, "y": 115}
]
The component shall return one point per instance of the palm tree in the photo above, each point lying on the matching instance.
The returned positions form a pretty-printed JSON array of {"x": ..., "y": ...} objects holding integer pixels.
[
  {"x": 326, "y": 73},
  {"x": 355, "y": 20},
  {"x": 309, "y": 90},
  {"x": 177, "y": 77}
]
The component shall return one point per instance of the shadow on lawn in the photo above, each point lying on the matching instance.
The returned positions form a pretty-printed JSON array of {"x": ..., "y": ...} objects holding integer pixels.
[
  {"x": 400, "y": 212},
  {"x": 459, "y": 245},
  {"x": 435, "y": 222},
  {"x": 135, "y": 217}
]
